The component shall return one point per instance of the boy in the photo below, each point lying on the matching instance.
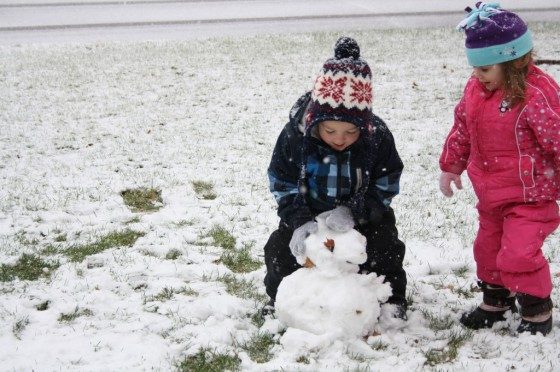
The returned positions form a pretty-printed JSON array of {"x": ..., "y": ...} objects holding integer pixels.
[{"x": 336, "y": 155}]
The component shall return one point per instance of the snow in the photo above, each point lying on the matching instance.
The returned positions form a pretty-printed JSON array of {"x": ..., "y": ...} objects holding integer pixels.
[
  {"x": 331, "y": 297},
  {"x": 79, "y": 123}
]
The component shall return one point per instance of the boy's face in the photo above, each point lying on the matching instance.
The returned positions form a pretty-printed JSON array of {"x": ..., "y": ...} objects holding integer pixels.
[
  {"x": 338, "y": 134},
  {"x": 492, "y": 76}
]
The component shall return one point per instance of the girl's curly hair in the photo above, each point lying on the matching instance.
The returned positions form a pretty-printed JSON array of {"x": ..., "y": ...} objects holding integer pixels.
[{"x": 515, "y": 72}]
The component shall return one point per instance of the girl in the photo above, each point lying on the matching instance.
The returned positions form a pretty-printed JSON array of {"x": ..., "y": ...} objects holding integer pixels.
[
  {"x": 336, "y": 156},
  {"x": 506, "y": 135}
]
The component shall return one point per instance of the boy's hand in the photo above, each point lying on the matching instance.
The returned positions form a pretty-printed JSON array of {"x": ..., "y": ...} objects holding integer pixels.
[
  {"x": 445, "y": 180},
  {"x": 339, "y": 219},
  {"x": 297, "y": 244}
]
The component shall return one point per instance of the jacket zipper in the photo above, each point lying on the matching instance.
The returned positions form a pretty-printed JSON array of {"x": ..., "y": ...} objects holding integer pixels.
[
  {"x": 358, "y": 179},
  {"x": 477, "y": 131}
]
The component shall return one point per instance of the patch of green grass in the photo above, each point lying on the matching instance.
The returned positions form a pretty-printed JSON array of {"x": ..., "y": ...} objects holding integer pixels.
[
  {"x": 222, "y": 238},
  {"x": 258, "y": 347},
  {"x": 61, "y": 238},
  {"x": 188, "y": 292},
  {"x": 167, "y": 293},
  {"x": 379, "y": 345},
  {"x": 240, "y": 261},
  {"x": 125, "y": 238},
  {"x": 303, "y": 359},
  {"x": 209, "y": 361},
  {"x": 24, "y": 240},
  {"x": 50, "y": 250},
  {"x": 148, "y": 253},
  {"x": 142, "y": 199},
  {"x": 43, "y": 305},
  {"x": 19, "y": 326},
  {"x": 173, "y": 254},
  {"x": 461, "y": 291},
  {"x": 184, "y": 223},
  {"x": 28, "y": 267},
  {"x": 466, "y": 293},
  {"x": 70, "y": 317},
  {"x": 134, "y": 219},
  {"x": 437, "y": 322},
  {"x": 204, "y": 189},
  {"x": 241, "y": 288},
  {"x": 257, "y": 319},
  {"x": 461, "y": 271},
  {"x": 450, "y": 352},
  {"x": 360, "y": 358}
]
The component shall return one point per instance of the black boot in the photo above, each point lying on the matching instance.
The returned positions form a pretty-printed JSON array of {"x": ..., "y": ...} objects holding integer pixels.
[
  {"x": 532, "y": 306},
  {"x": 535, "y": 327},
  {"x": 268, "y": 309},
  {"x": 492, "y": 295},
  {"x": 480, "y": 318}
]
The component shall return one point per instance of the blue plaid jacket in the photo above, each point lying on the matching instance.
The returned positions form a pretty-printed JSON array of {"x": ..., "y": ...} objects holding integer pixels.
[{"x": 332, "y": 177}]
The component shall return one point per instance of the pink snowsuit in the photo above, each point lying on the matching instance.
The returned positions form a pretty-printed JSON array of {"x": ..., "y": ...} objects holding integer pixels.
[{"x": 512, "y": 157}]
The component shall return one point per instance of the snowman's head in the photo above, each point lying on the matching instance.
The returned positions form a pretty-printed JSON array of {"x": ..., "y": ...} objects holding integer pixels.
[{"x": 334, "y": 250}]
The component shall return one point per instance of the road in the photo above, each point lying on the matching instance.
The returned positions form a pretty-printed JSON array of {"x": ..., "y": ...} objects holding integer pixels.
[{"x": 60, "y": 21}]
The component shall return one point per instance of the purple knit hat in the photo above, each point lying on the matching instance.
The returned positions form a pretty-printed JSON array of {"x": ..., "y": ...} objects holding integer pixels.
[
  {"x": 342, "y": 90},
  {"x": 494, "y": 35}
]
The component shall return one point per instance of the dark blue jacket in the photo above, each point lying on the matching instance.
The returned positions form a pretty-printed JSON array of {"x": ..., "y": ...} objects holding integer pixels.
[{"x": 365, "y": 176}]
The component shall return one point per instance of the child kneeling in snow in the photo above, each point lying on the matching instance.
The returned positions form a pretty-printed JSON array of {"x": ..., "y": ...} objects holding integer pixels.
[{"x": 335, "y": 152}]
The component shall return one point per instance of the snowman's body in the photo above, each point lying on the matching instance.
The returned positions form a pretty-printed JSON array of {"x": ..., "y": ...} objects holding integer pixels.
[{"x": 332, "y": 296}]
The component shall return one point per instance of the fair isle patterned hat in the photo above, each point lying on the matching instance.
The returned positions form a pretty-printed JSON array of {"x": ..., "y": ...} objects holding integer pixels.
[
  {"x": 494, "y": 35},
  {"x": 342, "y": 90}
]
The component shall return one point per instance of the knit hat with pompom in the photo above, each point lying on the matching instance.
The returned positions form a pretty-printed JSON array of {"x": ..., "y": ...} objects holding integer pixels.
[
  {"x": 342, "y": 90},
  {"x": 494, "y": 35}
]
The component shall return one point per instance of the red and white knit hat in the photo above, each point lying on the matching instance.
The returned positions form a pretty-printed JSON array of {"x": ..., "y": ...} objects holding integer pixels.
[{"x": 342, "y": 90}]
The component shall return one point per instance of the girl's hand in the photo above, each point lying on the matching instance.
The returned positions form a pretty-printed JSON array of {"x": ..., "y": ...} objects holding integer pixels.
[{"x": 445, "y": 180}]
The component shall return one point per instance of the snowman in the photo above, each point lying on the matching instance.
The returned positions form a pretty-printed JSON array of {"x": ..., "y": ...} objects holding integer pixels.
[{"x": 328, "y": 296}]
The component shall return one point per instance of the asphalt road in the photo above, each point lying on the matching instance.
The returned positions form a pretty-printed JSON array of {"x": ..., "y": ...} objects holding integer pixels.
[{"x": 60, "y": 21}]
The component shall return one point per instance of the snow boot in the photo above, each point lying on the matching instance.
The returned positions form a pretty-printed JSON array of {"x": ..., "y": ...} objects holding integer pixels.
[
  {"x": 268, "y": 309},
  {"x": 493, "y": 296},
  {"x": 532, "y": 306},
  {"x": 480, "y": 318},
  {"x": 535, "y": 327}
]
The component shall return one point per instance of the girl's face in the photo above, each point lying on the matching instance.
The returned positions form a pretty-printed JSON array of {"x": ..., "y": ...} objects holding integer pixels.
[
  {"x": 492, "y": 76},
  {"x": 338, "y": 134}
]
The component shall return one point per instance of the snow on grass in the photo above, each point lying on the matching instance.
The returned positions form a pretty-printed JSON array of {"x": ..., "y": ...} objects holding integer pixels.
[{"x": 80, "y": 124}]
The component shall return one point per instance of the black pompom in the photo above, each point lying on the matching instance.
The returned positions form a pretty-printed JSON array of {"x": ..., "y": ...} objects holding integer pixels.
[{"x": 346, "y": 47}]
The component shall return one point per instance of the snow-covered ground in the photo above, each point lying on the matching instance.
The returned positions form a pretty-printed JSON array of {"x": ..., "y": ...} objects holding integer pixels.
[{"x": 81, "y": 123}]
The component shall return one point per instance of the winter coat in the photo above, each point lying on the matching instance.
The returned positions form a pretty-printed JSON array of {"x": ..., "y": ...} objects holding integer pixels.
[
  {"x": 332, "y": 177},
  {"x": 512, "y": 155}
]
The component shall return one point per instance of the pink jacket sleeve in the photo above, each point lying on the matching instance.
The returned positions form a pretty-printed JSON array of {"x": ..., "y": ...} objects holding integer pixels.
[
  {"x": 542, "y": 113},
  {"x": 456, "y": 148}
]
